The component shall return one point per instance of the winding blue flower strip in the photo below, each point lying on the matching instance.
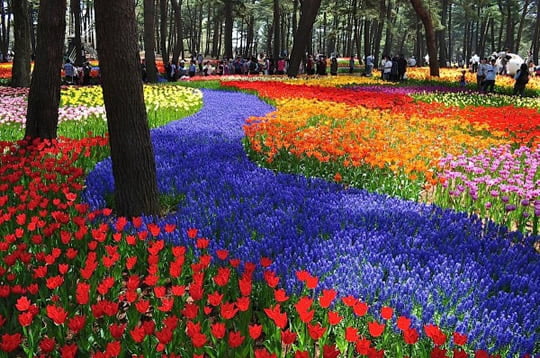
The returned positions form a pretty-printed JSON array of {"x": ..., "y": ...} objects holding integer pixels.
[{"x": 441, "y": 266}]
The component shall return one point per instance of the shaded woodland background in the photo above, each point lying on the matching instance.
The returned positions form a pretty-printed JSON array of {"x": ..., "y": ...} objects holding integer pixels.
[{"x": 181, "y": 28}]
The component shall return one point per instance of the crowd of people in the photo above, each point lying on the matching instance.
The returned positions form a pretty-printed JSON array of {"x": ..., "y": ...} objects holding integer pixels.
[
  {"x": 392, "y": 68},
  {"x": 74, "y": 75},
  {"x": 487, "y": 70},
  {"x": 320, "y": 65}
]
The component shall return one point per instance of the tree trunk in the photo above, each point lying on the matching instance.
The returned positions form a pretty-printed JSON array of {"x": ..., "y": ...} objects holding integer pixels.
[
  {"x": 20, "y": 73},
  {"x": 250, "y": 34},
  {"x": 367, "y": 38},
  {"x": 76, "y": 12},
  {"x": 198, "y": 48},
  {"x": 44, "y": 96},
  {"x": 4, "y": 34},
  {"x": 132, "y": 154},
  {"x": 149, "y": 44},
  {"x": 536, "y": 35},
  {"x": 216, "y": 33},
  {"x": 163, "y": 30},
  {"x": 309, "y": 10},
  {"x": 450, "y": 35},
  {"x": 179, "y": 44},
  {"x": 425, "y": 16},
  {"x": 442, "y": 35},
  {"x": 295, "y": 16},
  {"x": 31, "y": 16},
  {"x": 277, "y": 28},
  {"x": 509, "y": 33},
  {"x": 228, "y": 28},
  {"x": 388, "y": 38},
  {"x": 521, "y": 24}
]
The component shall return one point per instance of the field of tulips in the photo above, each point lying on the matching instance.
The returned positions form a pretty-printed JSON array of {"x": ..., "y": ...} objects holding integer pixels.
[
  {"x": 255, "y": 263},
  {"x": 82, "y": 109},
  {"x": 394, "y": 140}
]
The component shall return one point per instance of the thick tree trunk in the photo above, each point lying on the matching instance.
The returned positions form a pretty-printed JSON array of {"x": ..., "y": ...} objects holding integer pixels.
[
  {"x": 44, "y": 96},
  {"x": 132, "y": 154},
  {"x": 149, "y": 44},
  {"x": 20, "y": 73},
  {"x": 76, "y": 12},
  {"x": 277, "y": 28},
  {"x": 425, "y": 16},
  {"x": 228, "y": 28},
  {"x": 309, "y": 10},
  {"x": 163, "y": 29},
  {"x": 31, "y": 16}
]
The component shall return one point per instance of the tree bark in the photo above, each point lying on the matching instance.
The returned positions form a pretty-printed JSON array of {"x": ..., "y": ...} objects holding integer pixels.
[
  {"x": 536, "y": 35},
  {"x": 149, "y": 44},
  {"x": 277, "y": 28},
  {"x": 367, "y": 37},
  {"x": 388, "y": 38},
  {"x": 216, "y": 38},
  {"x": 75, "y": 6},
  {"x": 425, "y": 16},
  {"x": 442, "y": 35},
  {"x": 163, "y": 30},
  {"x": 44, "y": 96},
  {"x": 228, "y": 28},
  {"x": 133, "y": 162},
  {"x": 521, "y": 24},
  {"x": 309, "y": 10},
  {"x": 4, "y": 34},
  {"x": 20, "y": 73},
  {"x": 509, "y": 33},
  {"x": 179, "y": 45}
]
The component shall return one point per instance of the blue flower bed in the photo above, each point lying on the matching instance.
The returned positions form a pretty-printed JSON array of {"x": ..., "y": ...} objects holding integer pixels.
[{"x": 440, "y": 266}]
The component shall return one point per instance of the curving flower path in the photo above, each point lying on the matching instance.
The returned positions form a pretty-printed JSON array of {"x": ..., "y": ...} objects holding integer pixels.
[{"x": 443, "y": 267}]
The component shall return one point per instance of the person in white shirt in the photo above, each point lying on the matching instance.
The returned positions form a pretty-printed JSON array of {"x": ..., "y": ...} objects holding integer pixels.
[
  {"x": 481, "y": 73},
  {"x": 387, "y": 68},
  {"x": 475, "y": 59},
  {"x": 491, "y": 75}
]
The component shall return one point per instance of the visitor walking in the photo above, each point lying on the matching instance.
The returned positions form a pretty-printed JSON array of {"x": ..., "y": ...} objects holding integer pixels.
[
  {"x": 87, "y": 69},
  {"x": 463, "y": 79},
  {"x": 351, "y": 64},
  {"x": 402, "y": 67},
  {"x": 387, "y": 68},
  {"x": 70, "y": 72},
  {"x": 369, "y": 65},
  {"x": 491, "y": 75},
  {"x": 481, "y": 73},
  {"x": 475, "y": 61},
  {"x": 522, "y": 78},
  {"x": 333, "y": 66}
]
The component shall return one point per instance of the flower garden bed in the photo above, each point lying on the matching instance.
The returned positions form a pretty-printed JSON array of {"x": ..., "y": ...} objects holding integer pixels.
[{"x": 292, "y": 266}]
